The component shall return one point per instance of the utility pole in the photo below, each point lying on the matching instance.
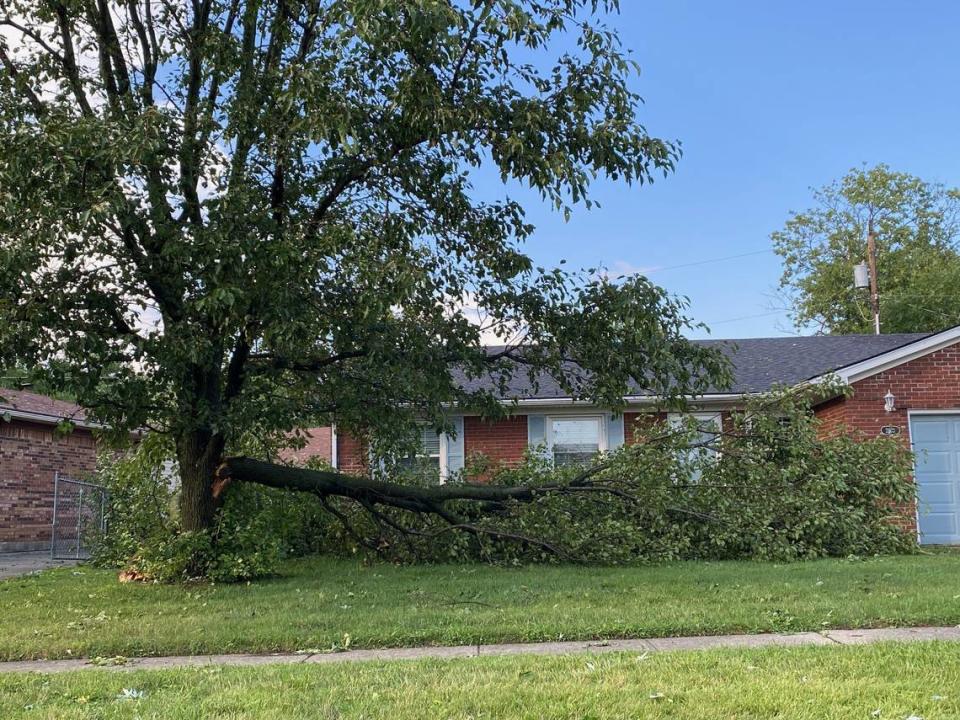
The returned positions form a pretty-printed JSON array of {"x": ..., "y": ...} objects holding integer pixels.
[{"x": 874, "y": 291}]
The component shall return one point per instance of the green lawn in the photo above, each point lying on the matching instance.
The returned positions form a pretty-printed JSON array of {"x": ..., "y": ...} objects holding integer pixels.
[
  {"x": 321, "y": 603},
  {"x": 882, "y": 681}
]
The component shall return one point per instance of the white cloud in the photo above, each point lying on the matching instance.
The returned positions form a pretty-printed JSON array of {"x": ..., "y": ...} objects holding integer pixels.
[{"x": 492, "y": 331}]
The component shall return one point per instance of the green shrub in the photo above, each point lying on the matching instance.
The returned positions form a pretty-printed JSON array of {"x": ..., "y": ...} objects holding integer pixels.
[
  {"x": 175, "y": 556},
  {"x": 255, "y": 527},
  {"x": 771, "y": 488},
  {"x": 141, "y": 503},
  {"x": 774, "y": 489}
]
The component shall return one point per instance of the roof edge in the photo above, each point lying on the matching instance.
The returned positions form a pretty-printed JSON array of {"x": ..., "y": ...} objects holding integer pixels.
[
  {"x": 706, "y": 398},
  {"x": 892, "y": 358},
  {"x": 45, "y": 419}
]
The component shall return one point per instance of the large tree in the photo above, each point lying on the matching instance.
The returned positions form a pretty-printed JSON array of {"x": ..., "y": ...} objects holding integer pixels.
[
  {"x": 225, "y": 218},
  {"x": 917, "y": 230}
]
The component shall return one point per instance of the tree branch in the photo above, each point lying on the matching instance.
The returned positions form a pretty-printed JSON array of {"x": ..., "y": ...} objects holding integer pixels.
[
  {"x": 334, "y": 484},
  {"x": 38, "y": 108},
  {"x": 307, "y": 366},
  {"x": 69, "y": 60},
  {"x": 371, "y": 493},
  {"x": 189, "y": 150}
]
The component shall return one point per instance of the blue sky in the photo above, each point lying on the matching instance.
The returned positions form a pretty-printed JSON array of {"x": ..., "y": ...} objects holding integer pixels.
[{"x": 768, "y": 99}]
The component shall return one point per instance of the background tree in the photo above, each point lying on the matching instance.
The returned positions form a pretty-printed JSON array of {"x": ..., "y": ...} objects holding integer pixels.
[
  {"x": 231, "y": 218},
  {"x": 918, "y": 266}
]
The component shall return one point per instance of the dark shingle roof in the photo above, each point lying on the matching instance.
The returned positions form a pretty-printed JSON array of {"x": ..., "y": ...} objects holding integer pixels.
[
  {"x": 758, "y": 363},
  {"x": 35, "y": 404}
]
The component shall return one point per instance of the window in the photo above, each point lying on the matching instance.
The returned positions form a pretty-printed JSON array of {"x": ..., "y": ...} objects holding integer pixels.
[
  {"x": 708, "y": 431},
  {"x": 574, "y": 440},
  {"x": 429, "y": 450},
  {"x": 707, "y": 428},
  {"x": 434, "y": 455}
]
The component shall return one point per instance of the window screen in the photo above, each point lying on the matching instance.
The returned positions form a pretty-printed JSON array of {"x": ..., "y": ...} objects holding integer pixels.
[
  {"x": 430, "y": 444},
  {"x": 428, "y": 452},
  {"x": 574, "y": 441}
]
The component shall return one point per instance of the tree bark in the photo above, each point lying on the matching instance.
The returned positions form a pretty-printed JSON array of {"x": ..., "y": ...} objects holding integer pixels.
[
  {"x": 198, "y": 455},
  {"x": 410, "y": 497}
]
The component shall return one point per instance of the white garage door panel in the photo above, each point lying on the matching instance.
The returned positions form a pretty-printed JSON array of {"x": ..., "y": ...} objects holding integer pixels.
[{"x": 936, "y": 442}]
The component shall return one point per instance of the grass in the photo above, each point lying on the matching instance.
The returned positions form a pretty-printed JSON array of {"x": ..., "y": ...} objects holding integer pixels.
[
  {"x": 321, "y": 603},
  {"x": 827, "y": 683}
]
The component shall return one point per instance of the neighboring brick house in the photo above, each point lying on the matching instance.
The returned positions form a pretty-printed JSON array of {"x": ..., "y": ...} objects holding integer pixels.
[
  {"x": 317, "y": 442},
  {"x": 906, "y": 385},
  {"x": 31, "y": 452}
]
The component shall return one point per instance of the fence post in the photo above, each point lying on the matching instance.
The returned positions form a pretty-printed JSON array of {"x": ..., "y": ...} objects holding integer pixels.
[
  {"x": 79, "y": 520},
  {"x": 53, "y": 523}
]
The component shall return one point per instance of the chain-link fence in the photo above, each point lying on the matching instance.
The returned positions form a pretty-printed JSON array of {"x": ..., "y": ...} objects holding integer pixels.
[{"x": 79, "y": 517}]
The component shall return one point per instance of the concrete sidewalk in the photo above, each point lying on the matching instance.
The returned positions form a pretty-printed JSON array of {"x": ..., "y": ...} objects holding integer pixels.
[
  {"x": 13, "y": 564},
  {"x": 832, "y": 637}
]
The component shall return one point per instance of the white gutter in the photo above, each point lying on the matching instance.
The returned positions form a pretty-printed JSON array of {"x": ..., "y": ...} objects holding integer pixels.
[
  {"x": 711, "y": 398},
  {"x": 630, "y": 400},
  {"x": 44, "y": 418}
]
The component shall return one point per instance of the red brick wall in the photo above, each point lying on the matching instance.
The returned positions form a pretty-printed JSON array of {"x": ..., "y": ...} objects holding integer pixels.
[
  {"x": 634, "y": 421},
  {"x": 319, "y": 444},
  {"x": 502, "y": 441},
  {"x": 832, "y": 415},
  {"x": 351, "y": 452},
  {"x": 30, "y": 454},
  {"x": 931, "y": 382},
  {"x": 352, "y": 455}
]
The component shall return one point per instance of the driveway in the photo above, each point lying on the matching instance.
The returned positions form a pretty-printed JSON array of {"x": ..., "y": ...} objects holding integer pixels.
[{"x": 21, "y": 563}]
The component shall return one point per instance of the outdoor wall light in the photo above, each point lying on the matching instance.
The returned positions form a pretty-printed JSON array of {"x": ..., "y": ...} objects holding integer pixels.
[{"x": 888, "y": 401}]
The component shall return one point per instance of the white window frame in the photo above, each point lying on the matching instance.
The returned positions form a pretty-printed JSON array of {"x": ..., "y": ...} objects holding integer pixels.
[
  {"x": 444, "y": 471},
  {"x": 423, "y": 430},
  {"x": 442, "y": 459},
  {"x": 601, "y": 424}
]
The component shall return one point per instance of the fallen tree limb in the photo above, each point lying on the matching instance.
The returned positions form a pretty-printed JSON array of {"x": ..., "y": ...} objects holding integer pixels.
[
  {"x": 408, "y": 497},
  {"x": 434, "y": 500}
]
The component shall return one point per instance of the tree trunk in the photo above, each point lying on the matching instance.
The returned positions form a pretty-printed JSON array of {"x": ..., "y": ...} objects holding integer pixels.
[{"x": 198, "y": 454}]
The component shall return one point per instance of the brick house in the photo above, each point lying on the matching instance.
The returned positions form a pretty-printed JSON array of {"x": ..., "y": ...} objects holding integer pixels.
[
  {"x": 906, "y": 386},
  {"x": 31, "y": 451}
]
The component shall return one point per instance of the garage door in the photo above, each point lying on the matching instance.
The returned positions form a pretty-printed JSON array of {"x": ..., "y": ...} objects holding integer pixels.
[{"x": 936, "y": 442}]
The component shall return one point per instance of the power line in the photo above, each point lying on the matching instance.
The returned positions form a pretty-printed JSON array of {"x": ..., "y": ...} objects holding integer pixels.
[
  {"x": 707, "y": 262},
  {"x": 747, "y": 317},
  {"x": 892, "y": 296}
]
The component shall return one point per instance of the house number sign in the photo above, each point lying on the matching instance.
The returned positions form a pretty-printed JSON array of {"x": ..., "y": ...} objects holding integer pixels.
[{"x": 890, "y": 430}]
